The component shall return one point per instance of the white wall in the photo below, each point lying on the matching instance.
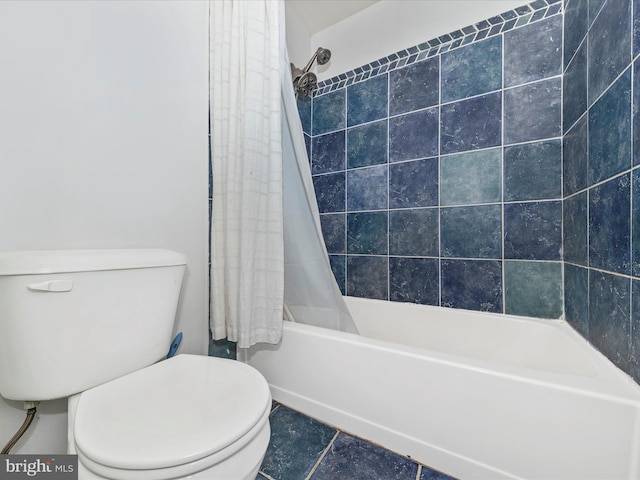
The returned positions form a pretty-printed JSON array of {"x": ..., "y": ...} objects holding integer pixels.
[
  {"x": 391, "y": 25},
  {"x": 298, "y": 38},
  {"x": 103, "y": 144}
]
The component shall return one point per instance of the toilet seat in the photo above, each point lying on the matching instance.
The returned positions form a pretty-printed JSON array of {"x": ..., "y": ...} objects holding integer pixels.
[{"x": 172, "y": 419}]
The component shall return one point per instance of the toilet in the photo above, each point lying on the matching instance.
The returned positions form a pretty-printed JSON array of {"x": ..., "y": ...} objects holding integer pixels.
[{"x": 95, "y": 326}]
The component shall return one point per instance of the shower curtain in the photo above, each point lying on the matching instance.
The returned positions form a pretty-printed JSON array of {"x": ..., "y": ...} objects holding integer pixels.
[
  {"x": 268, "y": 258},
  {"x": 311, "y": 294},
  {"x": 247, "y": 257}
]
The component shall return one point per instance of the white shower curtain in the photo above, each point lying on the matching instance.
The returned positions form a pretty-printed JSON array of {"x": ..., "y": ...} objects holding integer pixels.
[
  {"x": 311, "y": 294},
  {"x": 247, "y": 253},
  {"x": 265, "y": 256}
]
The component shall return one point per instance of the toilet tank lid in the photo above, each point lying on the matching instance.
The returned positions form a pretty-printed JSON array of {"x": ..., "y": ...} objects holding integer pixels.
[{"x": 36, "y": 262}]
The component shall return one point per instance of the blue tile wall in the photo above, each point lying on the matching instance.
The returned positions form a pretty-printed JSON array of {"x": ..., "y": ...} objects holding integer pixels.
[
  {"x": 471, "y": 177},
  {"x": 471, "y": 124},
  {"x": 533, "y": 111},
  {"x": 610, "y": 131},
  {"x": 533, "y": 52},
  {"x": 510, "y": 161},
  {"x": 600, "y": 220},
  {"x": 452, "y": 165},
  {"x": 412, "y": 88},
  {"x": 414, "y": 135},
  {"x": 609, "y": 45},
  {"x": 328, "y": 152},
  {"x": 472, "y": 70},
  {"x": 472, "y": 284},
  {"x": 533, "y": 171},
  {"x": 367, "y": 144}
]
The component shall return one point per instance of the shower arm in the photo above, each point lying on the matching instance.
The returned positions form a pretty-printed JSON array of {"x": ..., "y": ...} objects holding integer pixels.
[
  {"x": 310, "y": 63},
  {"x": 305, "y": 81}
]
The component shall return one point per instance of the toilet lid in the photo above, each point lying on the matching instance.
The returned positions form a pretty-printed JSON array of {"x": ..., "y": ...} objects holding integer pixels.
[{"x": 171, "y": 413}]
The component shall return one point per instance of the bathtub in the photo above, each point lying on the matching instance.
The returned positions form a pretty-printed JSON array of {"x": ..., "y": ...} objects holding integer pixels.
[{"x": 472, "y": 394}]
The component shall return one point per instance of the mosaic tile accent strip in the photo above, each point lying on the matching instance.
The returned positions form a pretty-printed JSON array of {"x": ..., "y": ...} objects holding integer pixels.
[{"x": 533, "y": 12}]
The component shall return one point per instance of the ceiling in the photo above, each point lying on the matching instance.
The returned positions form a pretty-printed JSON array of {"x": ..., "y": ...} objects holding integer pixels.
[{"x": 320, "y": 14}]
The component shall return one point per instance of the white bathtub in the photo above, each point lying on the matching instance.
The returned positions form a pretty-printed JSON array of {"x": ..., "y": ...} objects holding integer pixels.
[{"x": 472, "y": 394}]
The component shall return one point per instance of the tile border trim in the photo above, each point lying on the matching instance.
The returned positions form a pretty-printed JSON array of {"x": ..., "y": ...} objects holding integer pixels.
[{"x": 519, "y": 17}]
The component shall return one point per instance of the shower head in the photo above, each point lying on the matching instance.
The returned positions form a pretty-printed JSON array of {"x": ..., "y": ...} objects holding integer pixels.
[
  {"x": 305, "y": 81},
  {"x": 323, "y": 55},
  {"x": 306, "y": 84}
]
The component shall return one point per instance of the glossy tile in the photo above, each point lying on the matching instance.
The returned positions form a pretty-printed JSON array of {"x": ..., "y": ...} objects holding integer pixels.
[
  {"x": 610, "y": 316},
  {"x": 610, "y": 131},
  {"x": 471, "y": 177},
  {"x": 367, "y": 101},
  {"x": 304, "y": 110},
  {"x": 328, "y": 153},
  {"x": 471, "y": 232},
  {"x": 610, "y": 226},
  {"x": 367, "y": 233},
  {"x": 532, "y": 230},
  {"x": 414, "y": 280},
  {"x": 334, "y": 232},
  {"x": 353, "y": 459},
  {"x": 636, "y": 27},
  {"x": 296, "y": 444},
  {"x": 367, "y": 144},
  {"x": 575, "y": 232},
  {"x": 533, "y": 171},
  {"x": 368, "y": 188},
  {"x": 635, "y": 224},
  {"x": 574, "y": 95},
  {"x": 576, "y": 24},
  {"x": 636, "y": 110},
  {"x": 472, "y": 70},
  {"x": 609, "y": 44},
  {"x": 533, "y": 111},
  {"x": 575, "y": 158},
  {"x": 414, "y": 87},
  {"x": 533, "y": 52},
  {"x": 595, "y": 6},
  {"x": 429, "y": 474},
  {"x": 533, "y": 289},
  {"x": 368, "y": 277},
  {"x": 576, "y": 298},
  {"x": 339, "y": 269},
  {"x": 472, "y": 284},
  {"x": 329, "y": 112},
  {"x": 414, "y": 135},
  {"x": 345, "y": 457},
  {"x": 330, "y": 192},
  {"x": 222, "y": 348},
  {"x": 414, "y": 233},
  {"x": 413, "y": 184},
  {"x": 634, "y": 363},
  {"x": 471, "y": 124}
]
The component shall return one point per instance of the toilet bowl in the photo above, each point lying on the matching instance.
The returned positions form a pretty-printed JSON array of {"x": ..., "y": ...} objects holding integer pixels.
[
  {"x": 186, "y": 417},
  {"x": 94, "y": 326}
]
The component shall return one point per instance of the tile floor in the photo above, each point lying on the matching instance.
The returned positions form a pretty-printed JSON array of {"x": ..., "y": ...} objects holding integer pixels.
[{"x": 302, "y": 448}]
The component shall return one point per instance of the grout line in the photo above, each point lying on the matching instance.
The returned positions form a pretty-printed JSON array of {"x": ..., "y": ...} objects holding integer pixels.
[
  {"x": 387, "y": 164},
  {"x": 503, "y": 278},
  {"x": 439, "y": 180},
  {"x": 323, "y": 455}
]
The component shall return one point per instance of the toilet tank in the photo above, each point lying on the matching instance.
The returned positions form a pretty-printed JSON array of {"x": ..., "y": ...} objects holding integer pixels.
[{"x": 74, "y": 319}]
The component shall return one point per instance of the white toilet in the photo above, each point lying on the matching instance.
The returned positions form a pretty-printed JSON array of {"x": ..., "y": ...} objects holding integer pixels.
[{"x": 90, "y": 326}]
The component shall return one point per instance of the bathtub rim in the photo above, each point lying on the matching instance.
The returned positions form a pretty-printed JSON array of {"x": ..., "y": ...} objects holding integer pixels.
[{"x": 610, "y": 382}]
